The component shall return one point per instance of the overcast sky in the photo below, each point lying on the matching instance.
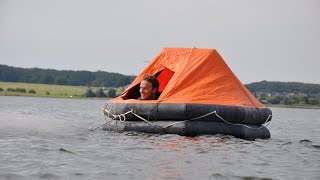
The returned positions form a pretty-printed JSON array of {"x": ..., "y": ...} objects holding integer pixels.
[{"x": 275, "y": 40}]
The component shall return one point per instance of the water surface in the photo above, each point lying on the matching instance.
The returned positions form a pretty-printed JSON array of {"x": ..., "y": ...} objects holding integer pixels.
[{"x": 48, "y": 138}]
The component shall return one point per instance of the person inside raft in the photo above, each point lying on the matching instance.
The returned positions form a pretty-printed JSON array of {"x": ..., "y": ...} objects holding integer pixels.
[{"x": 149, "y": 88}]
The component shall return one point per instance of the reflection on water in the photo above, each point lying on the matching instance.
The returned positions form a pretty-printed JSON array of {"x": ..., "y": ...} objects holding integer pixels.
[
  {"x": 179, "y": 145},
  {"x": 47, "y": 138}
]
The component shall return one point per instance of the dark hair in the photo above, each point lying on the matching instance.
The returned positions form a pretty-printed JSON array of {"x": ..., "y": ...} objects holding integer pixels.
[{"x": 153, "y": 80}]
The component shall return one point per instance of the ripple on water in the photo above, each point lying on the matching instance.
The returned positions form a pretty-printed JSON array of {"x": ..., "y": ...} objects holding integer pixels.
[
  {"x": 66, "y": 151},
  {"x": 47, "y": 176},
  {"x": 252, "y": 178},
  {"x": 10, "y": 176},
  {"x": 308, "y": 143},
  {"x": 316, "y": 146}
]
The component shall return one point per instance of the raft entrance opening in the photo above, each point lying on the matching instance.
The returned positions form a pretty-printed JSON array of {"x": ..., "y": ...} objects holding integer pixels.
[{"x": 163, "y": 76}]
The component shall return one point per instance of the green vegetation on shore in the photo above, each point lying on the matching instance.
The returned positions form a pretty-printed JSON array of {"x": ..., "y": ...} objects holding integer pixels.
[
  {"x": 284, "y": 94},
  {"x": 63, "y": 77},
  {"x": 46, "y": 90},
  {"x": 304, "y": 106},
  {"x": 284, "y": 87}
]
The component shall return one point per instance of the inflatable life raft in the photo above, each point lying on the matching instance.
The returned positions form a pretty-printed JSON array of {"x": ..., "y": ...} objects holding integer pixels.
[{"x": 198, "y": 94}]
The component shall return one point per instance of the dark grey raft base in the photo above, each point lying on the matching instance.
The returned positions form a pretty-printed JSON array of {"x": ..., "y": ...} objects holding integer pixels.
[
  {"x": 190, "y": 128},
  {"x": 183, "y": 111}
]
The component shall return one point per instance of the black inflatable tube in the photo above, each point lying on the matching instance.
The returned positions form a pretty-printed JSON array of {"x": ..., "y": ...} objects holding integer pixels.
[
  {"x": 191, "y": 128},
  {"x": 178, "y": 112}
]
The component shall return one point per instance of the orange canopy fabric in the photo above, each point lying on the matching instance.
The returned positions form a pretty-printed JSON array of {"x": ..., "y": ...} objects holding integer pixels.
[{"x": 197, "y": 76}]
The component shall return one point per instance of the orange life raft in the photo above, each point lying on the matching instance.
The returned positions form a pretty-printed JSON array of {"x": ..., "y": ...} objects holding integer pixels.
[{"x": 199, "y": 94}]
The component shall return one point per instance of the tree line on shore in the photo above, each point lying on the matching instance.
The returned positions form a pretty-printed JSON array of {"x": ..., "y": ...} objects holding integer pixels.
[
  {"x": 111, "y": 93},
  {"x": 19, "y": 90},
  {"x": 284, "y": 87},
  {"x": 286, "y": 93},
  {"x": 288, "y": 100},
  {"x": 63, "y": 77},
  {"x": 100, "y": 92}
]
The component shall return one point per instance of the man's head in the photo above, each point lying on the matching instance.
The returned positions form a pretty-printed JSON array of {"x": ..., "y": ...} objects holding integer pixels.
[{"x": 149, "y": 87}]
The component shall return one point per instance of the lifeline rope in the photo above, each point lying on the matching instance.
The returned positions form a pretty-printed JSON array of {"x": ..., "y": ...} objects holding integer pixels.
[
  {"x": 238, "y": 124},
  {"x": 104, "y": 107},
  {"x": 191, "y": 119},
  {"x": 205, "y": 115},
  {"x": 124, "y": 117}
]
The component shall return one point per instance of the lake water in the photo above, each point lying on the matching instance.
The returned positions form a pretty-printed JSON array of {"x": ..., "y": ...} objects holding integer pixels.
[{"x": 48, "y": 138}]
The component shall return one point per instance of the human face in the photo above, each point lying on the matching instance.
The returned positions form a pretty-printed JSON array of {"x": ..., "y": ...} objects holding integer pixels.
[{"x": 147, "y": 91}]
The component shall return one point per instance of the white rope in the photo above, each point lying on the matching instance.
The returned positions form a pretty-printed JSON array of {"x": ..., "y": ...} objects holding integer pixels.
[
  {"x": 119, "y": 115},
  {"x": 205, "y": 115},
  {"x": 124, "y": 115},
  {"x": 208, "y": 114},
  {"x": 238, "y": 124},
  {"x": 215, "y": 112},
  {"x": 144, "y": 119},
  {"x": 108, "y": 112}
]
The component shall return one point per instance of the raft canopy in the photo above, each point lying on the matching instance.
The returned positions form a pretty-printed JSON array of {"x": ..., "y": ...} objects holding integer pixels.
[{"x": 193, "y": 76}]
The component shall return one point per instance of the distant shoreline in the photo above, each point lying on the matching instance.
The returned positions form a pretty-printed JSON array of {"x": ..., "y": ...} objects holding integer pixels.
[
  {"x": 45, "y": 90},
  {"x": 58, "y": 97},
  {"x": 105, "y": 98},
  {"x": 76, "y": 92},
  {"x": 293, "y": 106}
]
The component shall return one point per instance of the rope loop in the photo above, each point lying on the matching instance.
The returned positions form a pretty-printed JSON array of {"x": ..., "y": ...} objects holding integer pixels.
[{"x": 124, "y": 118}]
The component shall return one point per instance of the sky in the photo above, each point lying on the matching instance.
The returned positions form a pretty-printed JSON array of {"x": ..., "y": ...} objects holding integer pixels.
[{"x": 273, "y": 40}]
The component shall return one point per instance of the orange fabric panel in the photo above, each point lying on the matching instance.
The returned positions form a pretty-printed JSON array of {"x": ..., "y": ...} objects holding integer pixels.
[
  {"x": 164, "y": 77},
  {"x": 201, "y": 76}
]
